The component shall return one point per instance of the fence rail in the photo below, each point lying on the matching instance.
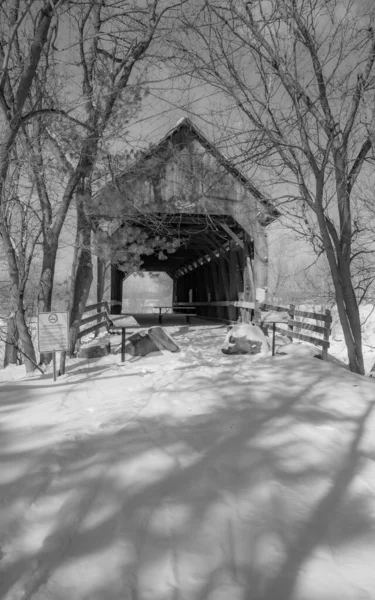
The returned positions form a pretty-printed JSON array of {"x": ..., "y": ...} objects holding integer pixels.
[
  {"x": 101, "y": 316},
  {"x": 293, "y": 324},
  {"x": 237, "y": 303},
  {"x": 293, "y": 329}
]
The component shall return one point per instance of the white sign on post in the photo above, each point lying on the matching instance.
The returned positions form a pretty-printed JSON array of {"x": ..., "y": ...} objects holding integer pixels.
[{"x": 53, "y": 331}]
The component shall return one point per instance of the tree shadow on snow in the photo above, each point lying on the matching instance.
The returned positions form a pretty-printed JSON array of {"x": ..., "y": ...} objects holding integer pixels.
[{"x": 233, "y": 499}]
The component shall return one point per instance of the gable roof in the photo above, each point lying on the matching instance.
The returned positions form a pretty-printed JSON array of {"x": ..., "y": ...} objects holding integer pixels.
[{"x": 187, "y": 125}]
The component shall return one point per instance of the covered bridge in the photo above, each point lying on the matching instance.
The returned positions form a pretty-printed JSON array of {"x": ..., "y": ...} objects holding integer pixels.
[{"x": 184, "y": 189}]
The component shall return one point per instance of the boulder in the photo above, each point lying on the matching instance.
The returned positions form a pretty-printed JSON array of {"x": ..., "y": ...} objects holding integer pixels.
[
  {"x": 162, "y": 339},
  {"x": 246, "y": 338},
  {"x": 154, "y": 339},
  {"x": 140, "y": 344}
]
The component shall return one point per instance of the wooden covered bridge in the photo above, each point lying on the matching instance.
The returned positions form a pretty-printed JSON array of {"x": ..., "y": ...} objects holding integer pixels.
[{"x": 184, "y": 189}]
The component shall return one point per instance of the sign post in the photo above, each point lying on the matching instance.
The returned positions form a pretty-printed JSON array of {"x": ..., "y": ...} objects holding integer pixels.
[
  {"x": 53, "y": 334},
  {"x": 54, "y": 366}
]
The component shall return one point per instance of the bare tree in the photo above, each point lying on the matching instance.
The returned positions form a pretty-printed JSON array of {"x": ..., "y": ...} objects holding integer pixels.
[
  {"x": 114, "y": 46},
  {"x": 27, "y": 29},
  {"x": 22, "y": 222},
  {"x": 300, "y": 75},
  {"x": 66, "y": 115}
]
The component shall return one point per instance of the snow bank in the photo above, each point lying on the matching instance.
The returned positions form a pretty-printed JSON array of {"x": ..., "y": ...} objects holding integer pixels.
[{"x": 194, "y": 475}]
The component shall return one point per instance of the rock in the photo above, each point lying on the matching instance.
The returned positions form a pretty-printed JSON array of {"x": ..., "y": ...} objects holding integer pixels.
[
  {"x": 246, "y": 338},
  {"x": 154, "y": 339},
  {"x": 94, "y": 351},
  {"x": 140, "y": 344},
  {"x": 300, "y": 349},
  {"x": 162, "y": 339}
]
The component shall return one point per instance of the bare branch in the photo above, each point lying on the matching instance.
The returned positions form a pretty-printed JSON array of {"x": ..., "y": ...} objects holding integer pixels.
[
  {"x": 310, "y": 44},
  {"x": 40, "y": 38},
  {"x": 362, "y": 84},
  {"x": 63, "y": 159},
  {"x": 358, "y": 163},
  {"x": 54, "y": 111}
]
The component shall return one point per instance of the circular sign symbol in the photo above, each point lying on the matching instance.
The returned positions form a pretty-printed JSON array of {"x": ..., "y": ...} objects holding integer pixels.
[{"x": 52, "y": 318}]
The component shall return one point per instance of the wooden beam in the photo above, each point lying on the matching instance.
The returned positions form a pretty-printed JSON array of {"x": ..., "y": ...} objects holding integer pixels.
[{"x": 233, "y": 235}]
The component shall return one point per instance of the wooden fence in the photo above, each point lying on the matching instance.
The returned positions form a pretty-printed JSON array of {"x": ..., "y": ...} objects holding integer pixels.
[
  {"x": 288, "y": 325},
  {"x": 292, "y": 328},
  {"x": 101, "y": 318},
  {"x": 243, "y": 305}
]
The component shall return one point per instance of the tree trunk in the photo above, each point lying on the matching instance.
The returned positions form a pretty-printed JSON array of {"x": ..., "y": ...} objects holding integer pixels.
[
  {"x": 83, "y": 275},
  {"x": 81, "y": 283},
  {"x": 27, "y": 346},
  {"x": 339, "y": 264},
  {"x": 352, "y": 321},
  {"x": 46, "y": 286},
  {"x": 17, "y": 302},
  {"x": 11, "y": 342},
  {"x": 345, "y": 297}
]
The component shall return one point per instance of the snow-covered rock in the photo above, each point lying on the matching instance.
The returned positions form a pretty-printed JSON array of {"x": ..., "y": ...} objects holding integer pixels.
[
  {"x": 154, "y": 339},
  {"x": 246, "y": 338},
  {"x": 299, "y": 349}
]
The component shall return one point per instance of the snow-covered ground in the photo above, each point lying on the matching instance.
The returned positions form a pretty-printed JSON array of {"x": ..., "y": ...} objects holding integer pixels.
[
  {"x": 190, "y": 476},
  {"x": 337, "y": 343}
]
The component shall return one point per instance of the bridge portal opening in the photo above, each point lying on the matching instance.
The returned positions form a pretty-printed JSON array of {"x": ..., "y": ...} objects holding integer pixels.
[
  {"x": 144, "y": 290},
  {"x": 207, "y": 267}
]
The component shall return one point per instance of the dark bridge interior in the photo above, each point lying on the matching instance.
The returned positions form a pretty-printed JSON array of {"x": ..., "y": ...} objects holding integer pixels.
[{"x": 208, "y": 265}]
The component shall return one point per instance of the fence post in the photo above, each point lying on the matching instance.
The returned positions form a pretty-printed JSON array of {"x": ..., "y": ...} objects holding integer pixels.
[
  {"x": 291, "y": 316},
  {"x": 123, "y": 337},
  {"x": 327, "y": 331}
]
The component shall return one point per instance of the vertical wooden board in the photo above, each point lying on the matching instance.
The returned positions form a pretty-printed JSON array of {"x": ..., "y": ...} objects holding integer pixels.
[
  {"x": 224, "y": 283},
  {"x": 185, "y": 288},
  {"x": 205, "y": 290},
  {"x": 220, "y": 290},
  {"x": 200, "y": 291},
  {"x": 177, "y": 287},
  {"x": 233, "y": 287},
  {"x": 216, "y": 288},
  {"x": 116, "y": 290},
  {"x": 196, "y": 285},
  {"x": 100, "y": 279},
  {"x": 239, "y": 270},
  {"x": 232, "y": 293},
  {"x": 175, "y": 290},
  {"x": 210, "y": 291}
]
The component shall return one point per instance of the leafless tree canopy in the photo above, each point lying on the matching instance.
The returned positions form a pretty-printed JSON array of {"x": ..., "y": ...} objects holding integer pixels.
[{"x": 301, "y": 76}]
